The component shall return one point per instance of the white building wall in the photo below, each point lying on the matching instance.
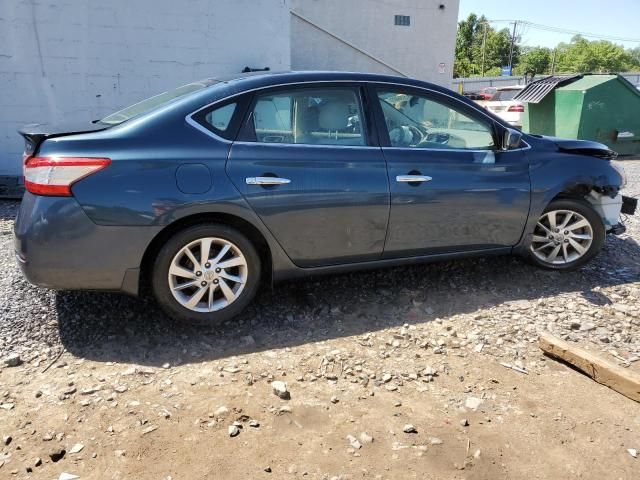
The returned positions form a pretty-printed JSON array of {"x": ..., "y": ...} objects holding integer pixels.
[
  {"x": 67, "y": 60},
  {"x": 360, "y": 35}
]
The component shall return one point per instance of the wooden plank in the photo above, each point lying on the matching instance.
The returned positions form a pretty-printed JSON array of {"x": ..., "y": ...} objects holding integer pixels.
[{"x": 602, "y": 371}]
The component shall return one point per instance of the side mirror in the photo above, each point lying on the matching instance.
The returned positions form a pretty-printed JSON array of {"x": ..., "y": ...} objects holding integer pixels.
[{"x": 511, "y": 139}]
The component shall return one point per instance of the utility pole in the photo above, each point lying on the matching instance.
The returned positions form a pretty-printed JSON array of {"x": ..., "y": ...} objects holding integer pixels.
[
  {"x": 484, "y": 45},
  {"x": 513, "y": 41},
  {"x": 553, "y": 61}
]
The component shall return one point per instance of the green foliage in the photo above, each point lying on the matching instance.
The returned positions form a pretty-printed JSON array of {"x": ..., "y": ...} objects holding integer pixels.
[
  {"x": 579, "y": 55},
  {"x": 473, "y": 33},
  {"x": 534, "y": 61}
]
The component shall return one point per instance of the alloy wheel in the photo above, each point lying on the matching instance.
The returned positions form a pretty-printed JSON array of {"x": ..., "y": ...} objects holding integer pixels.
[
  {"x": 561, "y": 237},
  {"x": 207, "y": 274}
]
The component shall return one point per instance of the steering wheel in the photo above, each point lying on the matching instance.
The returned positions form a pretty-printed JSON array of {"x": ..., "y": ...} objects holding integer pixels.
[
  {"x": 418, "y": 135},
  {"x": 436, "y": 137}
]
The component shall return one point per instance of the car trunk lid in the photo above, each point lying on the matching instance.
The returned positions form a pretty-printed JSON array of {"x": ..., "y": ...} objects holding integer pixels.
[{"x": 35, "y": 133}]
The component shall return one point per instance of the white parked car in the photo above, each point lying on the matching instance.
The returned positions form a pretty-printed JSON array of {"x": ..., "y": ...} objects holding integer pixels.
[{"x": 504, "y": 106}]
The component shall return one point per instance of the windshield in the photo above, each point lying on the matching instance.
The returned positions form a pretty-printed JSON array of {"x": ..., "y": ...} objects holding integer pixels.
[{"x": 154, "y": 102}]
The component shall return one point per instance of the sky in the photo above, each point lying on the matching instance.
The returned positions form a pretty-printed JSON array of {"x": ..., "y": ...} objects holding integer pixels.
[{"x": 619, "y": 18}]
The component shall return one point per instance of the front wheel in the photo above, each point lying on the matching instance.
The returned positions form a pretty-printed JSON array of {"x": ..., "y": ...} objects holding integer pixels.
[
  {"x": 567, "y": 235},
  {"x": 206, "y": 274}
]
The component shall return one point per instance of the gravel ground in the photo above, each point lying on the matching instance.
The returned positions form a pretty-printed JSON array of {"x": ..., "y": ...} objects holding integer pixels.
[
  {"x": 499, "y": 303},
  {"x": 391, "y": 374}
]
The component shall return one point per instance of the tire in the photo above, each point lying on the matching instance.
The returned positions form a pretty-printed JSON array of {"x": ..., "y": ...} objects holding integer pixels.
[
  {"x": 576, "y": 249},
  {"x": 178, "y": 283}
]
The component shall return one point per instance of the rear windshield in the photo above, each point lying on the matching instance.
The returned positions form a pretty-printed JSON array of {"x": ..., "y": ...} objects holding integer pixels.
[
  {"x": 154, "y": 102},
  {"x": 505, "y": 95}
]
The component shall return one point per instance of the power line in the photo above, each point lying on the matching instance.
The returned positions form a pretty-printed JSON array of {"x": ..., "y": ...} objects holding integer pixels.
[{"x": 549, "y": 28}]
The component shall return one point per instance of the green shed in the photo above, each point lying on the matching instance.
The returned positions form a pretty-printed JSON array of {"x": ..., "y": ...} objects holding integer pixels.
[{"x": 604, "y": 108}]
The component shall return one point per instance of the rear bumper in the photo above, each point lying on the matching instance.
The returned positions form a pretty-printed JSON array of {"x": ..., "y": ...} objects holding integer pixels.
[{"x": 57, "y": 246}]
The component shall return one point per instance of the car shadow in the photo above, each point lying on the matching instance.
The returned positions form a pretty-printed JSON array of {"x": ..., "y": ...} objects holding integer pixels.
[{"x": 117, "y": 328}]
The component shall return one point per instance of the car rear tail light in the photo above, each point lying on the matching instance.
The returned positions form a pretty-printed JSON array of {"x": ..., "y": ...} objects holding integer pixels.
[
  {"x": 54, "y": 176},
  {"x": 516, "y": 108}
]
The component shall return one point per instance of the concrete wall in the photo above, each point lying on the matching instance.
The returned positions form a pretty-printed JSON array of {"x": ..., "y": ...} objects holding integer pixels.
[
  {"x": 63, "y": 60},
  {"x": 360, "y": 35}
]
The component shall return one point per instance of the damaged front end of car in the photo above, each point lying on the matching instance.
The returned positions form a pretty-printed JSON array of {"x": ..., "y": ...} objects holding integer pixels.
[{"x": 605, "y": 197}]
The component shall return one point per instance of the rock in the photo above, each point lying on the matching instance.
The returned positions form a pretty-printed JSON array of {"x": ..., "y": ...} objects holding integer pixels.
[
  {"x": 121, "y": 388},
  {"x": 149, "y": 429},
  {"x": 365, "y": 438},
  {"x": 67, "y": 476},
  {"x": 254, "y": 423},
  {"x": 575, "y": 325},
  {"x": 464, "y": 422},
  {"x": 408, "y": 428},
  {"x": 435, "y": 441},
  {"x": 7, "y": 439},
  {"x": 37, "y": 462},
  {"x": 77, "y": 448},
  {"x": 280, "y": 389},
  {"x": 633, "y": 452},
  {"x": 57, "y": 454},
  {"x": 221, "y": 411},
  {"x": 120, "y": 453},
  {"x": 234, "y": 430},
  {"x": 386, "y": 378},
  {"x": 13, "y": 360},
  {"x": 334, "y": 399},
  {"x": 473, "y": 403},
  {"x": 353, "y": 441},
  {"x": 267, "y": 469}
]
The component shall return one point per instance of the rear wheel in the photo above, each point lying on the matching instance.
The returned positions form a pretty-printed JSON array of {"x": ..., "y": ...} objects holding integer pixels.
[
  {"x": 206, "y": 274},
  {"x": 567, "y": 235}
]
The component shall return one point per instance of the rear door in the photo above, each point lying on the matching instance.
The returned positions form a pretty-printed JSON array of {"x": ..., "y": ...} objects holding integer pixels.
[
  {"x": 306, "y": 162},
  {"x": 451, "y": 188}
]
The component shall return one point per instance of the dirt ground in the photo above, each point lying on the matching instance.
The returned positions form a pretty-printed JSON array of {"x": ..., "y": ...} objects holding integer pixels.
[{"x": 133, "y": 396}]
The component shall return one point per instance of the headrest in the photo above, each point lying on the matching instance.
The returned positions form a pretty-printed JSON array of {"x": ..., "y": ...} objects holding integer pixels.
[{"x": 334, "y": 115}]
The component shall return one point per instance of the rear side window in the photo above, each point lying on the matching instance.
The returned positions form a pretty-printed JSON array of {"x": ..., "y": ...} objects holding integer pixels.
[
  {"x": 308, "y": 116},
  {"x": 224, "y": 118},
  {"x": 220, "y": 118}
]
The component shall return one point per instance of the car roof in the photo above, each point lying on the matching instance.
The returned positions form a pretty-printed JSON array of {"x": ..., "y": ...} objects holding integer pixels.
[{"x": 264, "y": 79}]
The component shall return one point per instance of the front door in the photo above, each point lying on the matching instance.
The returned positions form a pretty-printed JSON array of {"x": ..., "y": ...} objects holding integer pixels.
[
  {"x": 305, "y": 163},
  {"x": 451, "y": 188}
]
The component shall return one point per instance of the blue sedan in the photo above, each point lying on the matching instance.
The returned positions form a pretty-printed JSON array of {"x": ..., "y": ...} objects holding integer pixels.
[{"x": 207, "y": 191}]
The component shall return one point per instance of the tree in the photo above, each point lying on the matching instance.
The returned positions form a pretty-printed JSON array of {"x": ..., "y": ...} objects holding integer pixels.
[
  {"x": 534, "y": 61},
  {"x": 599, "y": 56},
  {"x": 479, "y": 45}
]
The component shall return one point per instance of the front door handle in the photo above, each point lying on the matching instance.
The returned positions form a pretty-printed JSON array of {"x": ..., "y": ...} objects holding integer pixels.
[
  {"x": 267, "y": 181},
  {"x": 413, "y": 178}
]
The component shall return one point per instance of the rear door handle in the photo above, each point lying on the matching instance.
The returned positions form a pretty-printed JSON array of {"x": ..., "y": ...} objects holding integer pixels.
[
  {"x": 413, "y": 178},
  {"x": 267, "y": 181}
]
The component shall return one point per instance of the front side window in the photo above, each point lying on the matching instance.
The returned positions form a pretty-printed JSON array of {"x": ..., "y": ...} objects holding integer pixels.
[
  {"x": 417, "y": 121},
  {"x": 313, "y": 116}
]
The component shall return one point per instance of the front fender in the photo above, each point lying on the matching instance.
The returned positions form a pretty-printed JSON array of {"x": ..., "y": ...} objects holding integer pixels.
[{"x": 561, "y": 172}]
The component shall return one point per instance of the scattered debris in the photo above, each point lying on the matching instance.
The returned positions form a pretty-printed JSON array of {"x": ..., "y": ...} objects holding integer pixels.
[
  {"x": 353, "y": 441},
  {"x": 514, "y": 367}
]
